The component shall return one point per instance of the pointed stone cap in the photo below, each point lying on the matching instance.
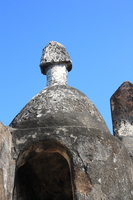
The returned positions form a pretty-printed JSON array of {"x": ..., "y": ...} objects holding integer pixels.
[
  {"x": 122, "y": 102},
  {"x": 54, "y": 53}
]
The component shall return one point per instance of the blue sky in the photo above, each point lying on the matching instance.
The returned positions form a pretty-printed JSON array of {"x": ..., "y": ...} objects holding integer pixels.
[{"x": 98, "y": 34}]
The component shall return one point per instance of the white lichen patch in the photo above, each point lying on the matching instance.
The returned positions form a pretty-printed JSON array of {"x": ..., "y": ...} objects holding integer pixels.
[
  {"x": 74, "y": 137},
  {"x": 57, "y": 132},
  {"x": 21, "y": 141},
  {"x": 63, "y": 129},
  {"x": 99, "y": 180},
  {"x": 114, "y": 159},
  {"x": 34, "y": 136},
  {"x": 126, "y": 129},
  {"x": 57, "y": 75},
  {"x": 39, "y": 115}
]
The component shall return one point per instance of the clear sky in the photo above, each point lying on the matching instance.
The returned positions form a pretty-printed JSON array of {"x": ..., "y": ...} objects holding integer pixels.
[{"x": 98, "y": 34}]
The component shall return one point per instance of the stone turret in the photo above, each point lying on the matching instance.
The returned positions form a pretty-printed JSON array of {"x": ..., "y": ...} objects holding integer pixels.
[
  {"x": 60, "y": 145},
  {"x": 122, "y": 115}
]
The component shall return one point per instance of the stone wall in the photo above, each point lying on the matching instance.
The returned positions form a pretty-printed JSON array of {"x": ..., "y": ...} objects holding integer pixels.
[{"x": 7, "y": 165}]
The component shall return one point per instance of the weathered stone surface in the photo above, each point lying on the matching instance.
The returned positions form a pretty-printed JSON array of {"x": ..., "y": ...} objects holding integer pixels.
[
  {"x": 122, "y": 114},
  {"x": 7, "y": 165},
  {"x": 61, "y": 146},
  {"x": 99, "y": 164},
  {"x": 53, "y": 53},
  {"x": 61, "y": 119},
  {"x": 57, "y": 74},
  {"x": 122, "y": 110},
  {"x": 59, "y": 106}
]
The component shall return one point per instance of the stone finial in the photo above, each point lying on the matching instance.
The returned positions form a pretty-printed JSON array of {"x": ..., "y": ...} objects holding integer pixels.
[
  {"x": 122, "y": 110},
  {"x": 55, "y": 63}
]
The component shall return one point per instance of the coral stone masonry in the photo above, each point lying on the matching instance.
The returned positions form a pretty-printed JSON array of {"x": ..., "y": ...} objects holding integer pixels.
[
  {"x": 55, "y": 63},
  {"x": 58, "y": 147},
  {"x": 56, "y": 74},
  {"x": 122, "y": 115}
]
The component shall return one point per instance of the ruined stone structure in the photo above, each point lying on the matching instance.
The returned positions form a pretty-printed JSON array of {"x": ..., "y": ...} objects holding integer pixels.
[
  {"x": 59, "y": 148},
  {"x": 122, "y": 115}
]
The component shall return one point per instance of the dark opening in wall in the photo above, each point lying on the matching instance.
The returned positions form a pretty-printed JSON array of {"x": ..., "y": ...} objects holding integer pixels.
[{"x": 45, "y": 176}]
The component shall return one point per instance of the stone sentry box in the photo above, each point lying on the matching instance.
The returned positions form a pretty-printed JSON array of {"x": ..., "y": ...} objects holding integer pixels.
[{"x": 60, "y": 147}]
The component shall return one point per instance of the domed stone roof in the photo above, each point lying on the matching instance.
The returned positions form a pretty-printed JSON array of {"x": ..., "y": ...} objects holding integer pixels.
[{"x": 59, "y": 105}]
